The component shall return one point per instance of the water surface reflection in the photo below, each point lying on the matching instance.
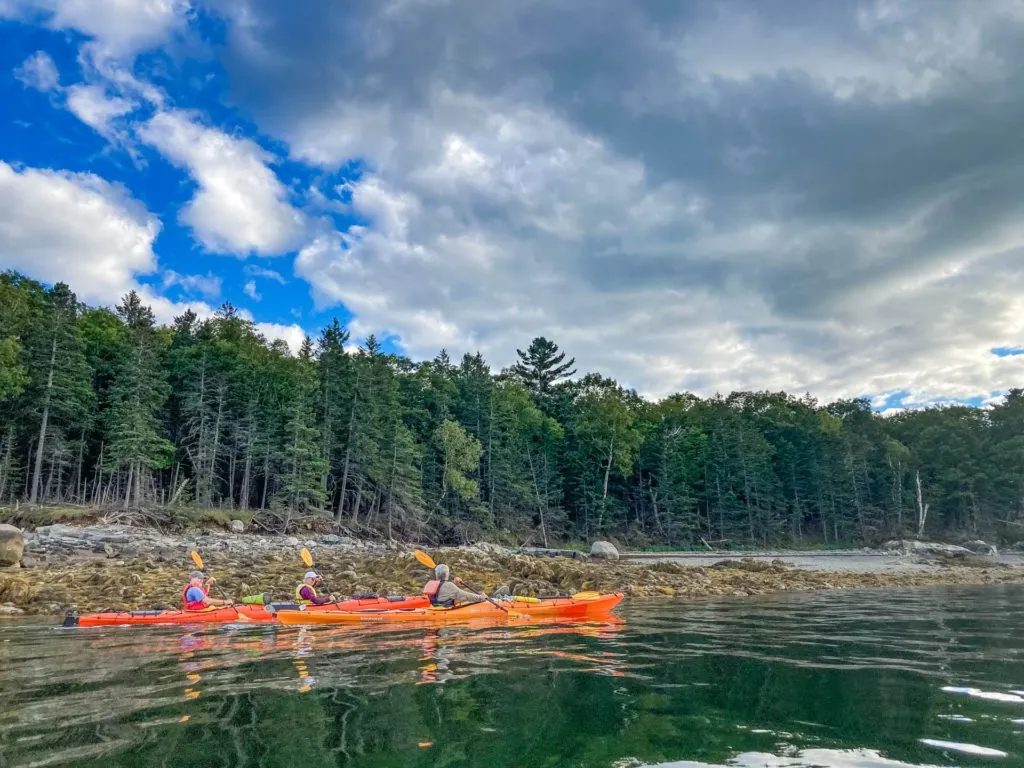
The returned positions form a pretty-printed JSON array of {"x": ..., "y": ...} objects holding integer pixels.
[{"x": 858, "y": 679}]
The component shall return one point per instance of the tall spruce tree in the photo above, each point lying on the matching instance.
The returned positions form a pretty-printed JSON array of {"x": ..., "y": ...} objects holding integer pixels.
[
  {"x": 304, "y": 465},
  {"x": 138, "y": 393},
  {"x": 542, "y": 366},
  {"x": 60, "y": 388}
]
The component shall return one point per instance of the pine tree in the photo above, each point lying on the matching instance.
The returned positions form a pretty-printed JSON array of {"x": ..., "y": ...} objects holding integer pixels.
[
  {"x": 335, "y": 382},
  {"x": 137, "y": 394},
  {"x": 61, "y": 380},
  {"x": 301, "y": 486},
  {"x": 541, "y": 367}
]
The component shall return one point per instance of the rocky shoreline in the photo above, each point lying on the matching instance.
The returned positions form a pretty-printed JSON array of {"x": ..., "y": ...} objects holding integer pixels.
[{"x": 98, "y": 567}]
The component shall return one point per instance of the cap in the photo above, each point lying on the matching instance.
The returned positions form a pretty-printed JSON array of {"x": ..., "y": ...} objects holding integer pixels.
[{"x": 311, "y": 575}]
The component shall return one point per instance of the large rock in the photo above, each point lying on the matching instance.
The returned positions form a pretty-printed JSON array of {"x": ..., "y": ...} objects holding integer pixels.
[
  {"x": 979, "y": 547},
  {"x": 933, "y": 549},
  {"x": 12, "y": 545},
  {"x": 543, "y": 552},
  {"x": 605, "y": 550},
  {"x": 237, "y": 526}
]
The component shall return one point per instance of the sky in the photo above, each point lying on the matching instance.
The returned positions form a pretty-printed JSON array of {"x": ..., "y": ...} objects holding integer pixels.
[{"x": 795, "y": 195}]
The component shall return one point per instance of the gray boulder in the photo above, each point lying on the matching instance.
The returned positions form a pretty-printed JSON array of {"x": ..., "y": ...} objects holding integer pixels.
[
  {"x": 604, "y": 550},
  {"x": 12, "y": 545},
  {"x": 237, "y": 526},
  {"x": 979, "y": 547},
  {"x": 291, "y": 541},
  {"x": 934, "y": 549}
]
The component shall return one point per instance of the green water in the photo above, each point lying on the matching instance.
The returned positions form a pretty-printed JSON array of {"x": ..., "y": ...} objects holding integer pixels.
[{"x": 870, "y": 678}]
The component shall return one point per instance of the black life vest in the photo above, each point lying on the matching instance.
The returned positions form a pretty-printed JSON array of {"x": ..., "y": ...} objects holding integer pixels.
[{"x": 431, "y": 588}]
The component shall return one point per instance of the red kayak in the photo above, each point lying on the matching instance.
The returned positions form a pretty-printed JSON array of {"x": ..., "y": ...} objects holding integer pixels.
[{"x": 239, "y": 613}]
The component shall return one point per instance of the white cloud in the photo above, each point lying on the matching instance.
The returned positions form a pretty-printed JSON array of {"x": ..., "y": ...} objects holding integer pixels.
[
  {"x": 240, "y": 207},
  {"x": 76, "y": 228},
  {"x": 121, "y": 26},
  {"x": 250, "y": 290},
  {"x": 254, "y": 270},
  {"x": 905, "y": 51},
  {"x": 474, "y": 239},
  {"x": 38, "y": 71},
  {"x": 165, "y": 310},
  {"x": 207, "y": 285},
  {"x": 292, "y": 334},
  {"x": 98, "y": 109},
  {"x": 117, "y": 27}
]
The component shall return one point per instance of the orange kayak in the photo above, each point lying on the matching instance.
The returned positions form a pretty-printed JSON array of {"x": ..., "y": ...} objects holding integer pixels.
[
  {"x": 561, "y": 607},
  {"x": 226, "y": 615},
  {"x": 369, "y": 603},
  {"x": 238, "y": 613}
]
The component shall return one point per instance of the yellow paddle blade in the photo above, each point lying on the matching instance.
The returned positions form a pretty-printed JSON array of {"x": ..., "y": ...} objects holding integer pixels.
[
  {"x": 424, "y": 558},
  {"x": 586, "y": 596},
  {"x": 306, "y": 557},
  {"x": 197, "y": 559}
]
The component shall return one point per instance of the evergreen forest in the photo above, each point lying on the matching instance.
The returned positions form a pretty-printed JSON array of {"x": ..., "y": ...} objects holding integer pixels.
[{"x": 107, "y": 409}]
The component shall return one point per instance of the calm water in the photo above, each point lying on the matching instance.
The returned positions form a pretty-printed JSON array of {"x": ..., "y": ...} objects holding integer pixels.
[{"x": 873, "y": 678}]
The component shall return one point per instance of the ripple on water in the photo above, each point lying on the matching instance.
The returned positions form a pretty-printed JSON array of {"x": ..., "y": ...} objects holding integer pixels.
[{"x": 854, "y": 680}]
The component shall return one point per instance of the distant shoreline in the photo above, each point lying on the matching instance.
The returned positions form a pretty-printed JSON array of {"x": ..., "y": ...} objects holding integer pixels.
[{"x": 96, "y": 567}]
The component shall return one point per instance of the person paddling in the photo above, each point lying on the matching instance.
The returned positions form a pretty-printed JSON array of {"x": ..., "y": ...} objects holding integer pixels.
[
  {"x": 196, "y": 597},
  {"x": 305, "y": 590},
  {"x": 446, "y": 592}
]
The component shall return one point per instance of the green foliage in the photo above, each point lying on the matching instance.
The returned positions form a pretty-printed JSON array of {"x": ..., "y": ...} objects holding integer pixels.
[
  {"x": 137, "y": 393},
  {"x": 461, "y": 454},
  {"x": 304, "y": 464},
  {"x": 13, "y": 375},
  {"x": 542, "y": 366},
  {"x": 107, "y": 408}
]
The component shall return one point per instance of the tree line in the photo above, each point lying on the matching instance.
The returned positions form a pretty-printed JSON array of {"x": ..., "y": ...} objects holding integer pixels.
[{"x": 106, "y": 408}]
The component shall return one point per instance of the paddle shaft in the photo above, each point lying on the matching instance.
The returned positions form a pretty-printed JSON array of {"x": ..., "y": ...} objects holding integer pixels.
[{"x": 490, "y": 600}]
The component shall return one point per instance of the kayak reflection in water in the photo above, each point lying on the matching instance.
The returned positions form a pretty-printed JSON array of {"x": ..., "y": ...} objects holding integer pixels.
[
  {"x": 303, "y": 649},
  {"x": 436, "y": 661},
  {"x": 447, "y": 592}
]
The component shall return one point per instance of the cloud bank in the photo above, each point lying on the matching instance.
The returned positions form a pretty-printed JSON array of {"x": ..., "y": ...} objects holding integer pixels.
[{"x": 739, "y": 195}]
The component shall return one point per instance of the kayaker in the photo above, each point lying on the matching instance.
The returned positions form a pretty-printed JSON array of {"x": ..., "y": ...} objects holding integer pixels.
[
  {"x": 305, "y": 590},
  {"x": 196, "y": 597},
  {"x": 445, "y": 591}
]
